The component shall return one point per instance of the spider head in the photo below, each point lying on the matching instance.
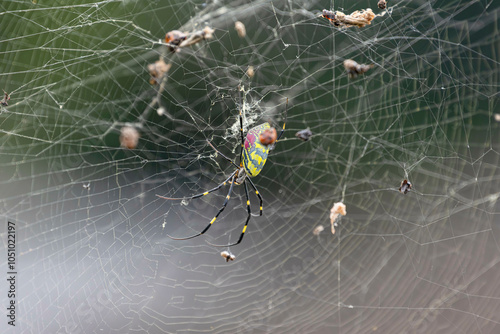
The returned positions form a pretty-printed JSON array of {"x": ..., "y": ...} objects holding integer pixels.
[{"x": 268, "y": 136}]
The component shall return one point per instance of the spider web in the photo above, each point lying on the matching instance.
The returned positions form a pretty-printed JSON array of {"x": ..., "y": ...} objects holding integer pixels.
[{"x": 93, "y": 254}]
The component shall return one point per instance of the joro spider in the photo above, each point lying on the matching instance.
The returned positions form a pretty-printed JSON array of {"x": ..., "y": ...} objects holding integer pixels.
[{"x": 255, "y": 147}]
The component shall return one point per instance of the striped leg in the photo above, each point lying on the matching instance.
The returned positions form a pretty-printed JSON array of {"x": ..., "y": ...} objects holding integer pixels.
[
  {"x": 244, "y": 227},
  {"x": 241, "y": 126},
  {"x": 256, "y": 193},
  {"x": 213, "y": 220},
  {"x": 202, "y": 194}
]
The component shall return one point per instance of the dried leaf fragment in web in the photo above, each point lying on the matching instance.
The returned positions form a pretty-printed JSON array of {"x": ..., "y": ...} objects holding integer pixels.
[{"x": 359, "y": 18}]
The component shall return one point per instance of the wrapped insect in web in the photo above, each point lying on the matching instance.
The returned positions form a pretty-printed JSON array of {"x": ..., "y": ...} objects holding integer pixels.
[
  {"x": 228, "y": 255},
  {"x": 318, "y": 229},
  {"x": 354, "y": 69},
  {"x": 250, "y": 72},
  {"x": 304, "y": 135},
  {"x": 335, "y": 212},
  {"x": 177, "y": 39},
  {"x": 405, "y": 187},
  {"x": 174, "y": 38},
  {"x": 359, "y": 18},
  {"x": 158, "y": 70},
  {"x": 382, "y": 4},
  {"x": 129, "y": 137}
]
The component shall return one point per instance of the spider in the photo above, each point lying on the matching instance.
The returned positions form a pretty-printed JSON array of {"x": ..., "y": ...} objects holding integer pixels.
[{"x": 255, "y": 147}]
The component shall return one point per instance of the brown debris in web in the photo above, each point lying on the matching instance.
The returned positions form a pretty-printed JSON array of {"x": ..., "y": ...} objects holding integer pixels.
[
  {"x": 197, "y": 36},
  {"x": 177, "y": 39},
  {"x": 337, "y": 210},
  {"x": 5, "y": 99},
  {"x": 359, "y": 18},
  {"x": 129, "y": 137},
  {"x": 158, "y": 70},
  {"x": 354, "y": 69}
]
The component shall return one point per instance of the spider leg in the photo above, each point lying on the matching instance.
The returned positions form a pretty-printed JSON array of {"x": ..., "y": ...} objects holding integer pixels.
[
  {"x": 246, "y": 223},
  {"x": 202, "y": 194},
  {"x": 212, "y": 221},
  {"x": 222, "y": 155},
  {"x": 284, "y": 123},
  {"x": 256, "y": 193},
  {"x": 241, "y": 125}
]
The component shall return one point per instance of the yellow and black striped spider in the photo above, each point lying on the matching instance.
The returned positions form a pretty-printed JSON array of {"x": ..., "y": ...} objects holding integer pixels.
[{"x": 255, "y": 147}]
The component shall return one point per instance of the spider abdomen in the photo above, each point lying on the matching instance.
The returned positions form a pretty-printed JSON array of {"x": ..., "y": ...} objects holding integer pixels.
[{"x": 254, "y": 152}]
